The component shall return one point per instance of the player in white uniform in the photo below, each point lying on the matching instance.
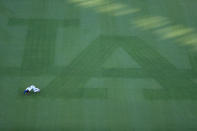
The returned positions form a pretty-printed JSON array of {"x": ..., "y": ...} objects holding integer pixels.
[
  {"x": 35, "y": 90},
  {"x": 30, "y": 88}
]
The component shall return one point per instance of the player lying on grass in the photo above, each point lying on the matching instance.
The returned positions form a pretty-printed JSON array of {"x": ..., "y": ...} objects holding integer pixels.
[{"x": 30, "y": 88}]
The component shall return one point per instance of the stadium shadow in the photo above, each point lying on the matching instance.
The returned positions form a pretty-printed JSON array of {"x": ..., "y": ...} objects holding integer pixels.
[
  {"x": 107, "y": 7},
  {"x": 165, "y": 29},
  {"x": 160, "y": 26}
]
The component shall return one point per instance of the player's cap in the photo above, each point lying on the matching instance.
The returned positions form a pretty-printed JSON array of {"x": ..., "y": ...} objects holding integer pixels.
[{"x": 26, "y": 91}]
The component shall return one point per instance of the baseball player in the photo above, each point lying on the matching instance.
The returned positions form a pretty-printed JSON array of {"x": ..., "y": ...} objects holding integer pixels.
[{"x": 31, "y": 88}]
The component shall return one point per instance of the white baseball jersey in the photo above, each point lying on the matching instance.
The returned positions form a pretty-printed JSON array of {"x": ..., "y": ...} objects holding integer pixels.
[
  {"x": 35, "y": 89},
  {"x": 29, "y": 88},
  {"x": 32, "y": 87}
]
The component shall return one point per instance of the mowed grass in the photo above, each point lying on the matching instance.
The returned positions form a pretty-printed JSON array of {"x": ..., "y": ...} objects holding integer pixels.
[{"x": 121, "y": 65}]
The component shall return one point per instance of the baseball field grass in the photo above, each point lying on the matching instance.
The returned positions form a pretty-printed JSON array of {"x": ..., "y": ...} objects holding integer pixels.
[{"x": 101, "y": 65}]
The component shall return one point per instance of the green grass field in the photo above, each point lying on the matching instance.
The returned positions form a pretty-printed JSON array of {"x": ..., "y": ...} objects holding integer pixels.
[{"x": 101, "y": 65}]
